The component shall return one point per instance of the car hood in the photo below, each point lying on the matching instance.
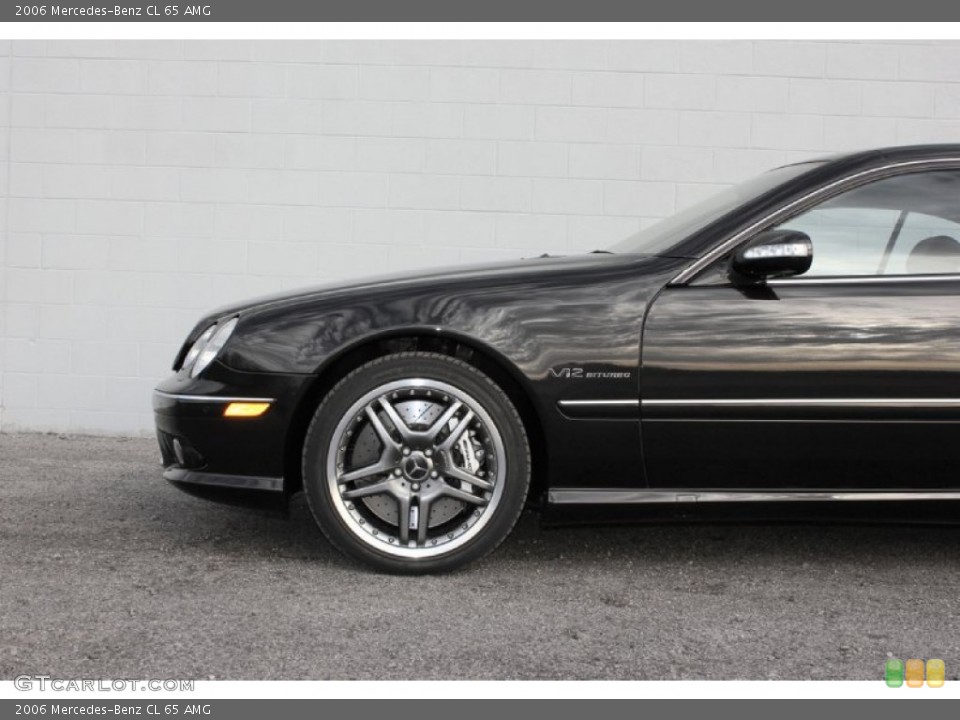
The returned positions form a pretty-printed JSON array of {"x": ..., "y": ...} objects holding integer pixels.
[
  {"x": 489, "y": 274},
  {"x": 522, "y": 310}
]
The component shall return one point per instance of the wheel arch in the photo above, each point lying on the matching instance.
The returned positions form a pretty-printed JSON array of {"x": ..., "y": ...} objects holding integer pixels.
[{"x": 428, "y": 339}]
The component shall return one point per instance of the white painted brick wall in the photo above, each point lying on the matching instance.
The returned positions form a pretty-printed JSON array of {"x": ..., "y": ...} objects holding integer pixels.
[{"x": 149, "y": 181}]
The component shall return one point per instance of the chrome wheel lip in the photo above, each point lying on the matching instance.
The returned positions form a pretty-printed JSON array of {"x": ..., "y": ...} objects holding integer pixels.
[{"x": 381, "y": 542}]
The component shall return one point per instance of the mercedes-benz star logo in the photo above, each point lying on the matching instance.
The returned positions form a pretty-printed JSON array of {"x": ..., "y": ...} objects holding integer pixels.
[{"x": 416, "y": 467}]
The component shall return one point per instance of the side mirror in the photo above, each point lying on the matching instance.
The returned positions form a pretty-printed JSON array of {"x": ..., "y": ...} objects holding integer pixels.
[{"x": 774, "y": 254}]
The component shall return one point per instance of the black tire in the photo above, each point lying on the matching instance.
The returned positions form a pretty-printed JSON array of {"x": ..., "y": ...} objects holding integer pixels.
[{"x": 323, "y": 495}]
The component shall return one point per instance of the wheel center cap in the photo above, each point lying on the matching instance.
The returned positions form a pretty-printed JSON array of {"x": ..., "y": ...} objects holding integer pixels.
[{"x": 416, "y": 467}]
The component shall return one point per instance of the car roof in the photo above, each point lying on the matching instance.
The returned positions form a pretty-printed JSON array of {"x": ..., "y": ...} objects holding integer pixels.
[{"x": 894, "y": 153}]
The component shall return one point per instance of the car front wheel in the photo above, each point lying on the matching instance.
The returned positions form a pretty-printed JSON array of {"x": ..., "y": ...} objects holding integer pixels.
[{"x": 416, "y": 462}]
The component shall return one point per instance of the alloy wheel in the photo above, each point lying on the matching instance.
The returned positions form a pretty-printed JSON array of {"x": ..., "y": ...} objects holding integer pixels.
[{"x": 416, "y": 468}]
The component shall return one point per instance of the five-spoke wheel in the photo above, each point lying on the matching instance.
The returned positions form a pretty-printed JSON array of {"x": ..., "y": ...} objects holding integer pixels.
[{"x": 416, "y": 462}]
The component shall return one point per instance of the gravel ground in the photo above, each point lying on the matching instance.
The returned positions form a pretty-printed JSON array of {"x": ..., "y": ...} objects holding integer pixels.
[{"x": 106, "y": 571}]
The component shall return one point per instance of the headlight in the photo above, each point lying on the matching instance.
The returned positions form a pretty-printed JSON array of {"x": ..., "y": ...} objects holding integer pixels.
[
  {"x": 208, "y": 346},
  {"x": 197, "y": 346}
]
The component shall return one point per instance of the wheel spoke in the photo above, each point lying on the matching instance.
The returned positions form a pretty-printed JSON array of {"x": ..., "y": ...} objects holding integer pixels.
[
  {"x": 462, "y": 475},
  {"x": 459, "y": 494},
  {"x": 455, "y": 434},
  {"x": 379, "y": 488},
  {"x": 379, "y": 467},
  {"x": 380, "y": 429},
  {"x": 395, "y": 419},
  {"x": 443, "y": 420},
  {"x": 403, "y": 518},
  {"x": 423, "y": 520}
]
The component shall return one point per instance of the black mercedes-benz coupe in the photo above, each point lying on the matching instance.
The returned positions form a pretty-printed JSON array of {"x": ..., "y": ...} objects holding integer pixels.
[{"x": 794, "y": 338}]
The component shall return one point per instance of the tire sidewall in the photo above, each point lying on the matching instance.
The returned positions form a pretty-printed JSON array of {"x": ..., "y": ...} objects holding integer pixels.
[{"x": 428, "y": 366}]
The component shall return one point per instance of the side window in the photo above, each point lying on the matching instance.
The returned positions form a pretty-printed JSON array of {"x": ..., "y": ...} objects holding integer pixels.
[
  {"x": 846, "y": 241},
  {"x": 908, "y": 257},
  {"x": 903, "y": 225}
]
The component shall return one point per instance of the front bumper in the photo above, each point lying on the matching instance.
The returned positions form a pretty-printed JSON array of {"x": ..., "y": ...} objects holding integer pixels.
[{"x": 237, "y": 461}]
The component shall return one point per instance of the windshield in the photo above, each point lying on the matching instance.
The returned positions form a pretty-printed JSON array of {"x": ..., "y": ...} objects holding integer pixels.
[{"x": 660, "y": 238}]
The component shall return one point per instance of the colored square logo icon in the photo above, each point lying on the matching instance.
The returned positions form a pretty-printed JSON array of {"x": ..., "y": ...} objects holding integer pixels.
[
  {"x": 896, "y": 672},
  {"x": 914, "y": 673},
  {"x": 893, "y": 672},
  {"x": 936, "y": 673}
]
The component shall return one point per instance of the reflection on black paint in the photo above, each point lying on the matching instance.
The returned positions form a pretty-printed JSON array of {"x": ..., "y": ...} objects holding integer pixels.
[
  {"x": 856, "y": 341},
  {"x": 584, "y": 311}
]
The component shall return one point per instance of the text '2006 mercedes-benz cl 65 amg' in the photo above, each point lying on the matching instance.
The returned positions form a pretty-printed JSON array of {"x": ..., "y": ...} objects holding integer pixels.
[{"x": 795, "y": 338}]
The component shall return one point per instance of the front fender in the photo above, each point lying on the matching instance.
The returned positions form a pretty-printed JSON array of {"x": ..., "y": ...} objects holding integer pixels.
[{"x": 572, "y": 335}]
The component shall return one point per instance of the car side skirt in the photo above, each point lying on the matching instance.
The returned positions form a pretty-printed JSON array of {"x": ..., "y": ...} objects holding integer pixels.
[{"x": 616, "y": 496}]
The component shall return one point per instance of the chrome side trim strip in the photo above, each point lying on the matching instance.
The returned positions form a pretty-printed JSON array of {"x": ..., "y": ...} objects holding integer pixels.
[
  {"x": 864, "y": 280},
  {"x": 210, "y": 398},
  {"x": 810, "y": 402},
  {"x": 600, "y": 409},
  {"x": 688, "y": 273},
  {"x": 630, "y": 409},
  {"x": 585, "y": 496}
]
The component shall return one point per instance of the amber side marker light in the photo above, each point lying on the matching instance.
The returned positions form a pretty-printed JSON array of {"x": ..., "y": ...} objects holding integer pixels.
[{"x": 245, "y": 409}]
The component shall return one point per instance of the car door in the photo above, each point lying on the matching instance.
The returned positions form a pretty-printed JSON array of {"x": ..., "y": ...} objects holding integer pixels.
[{"x": 844, "y": 378}]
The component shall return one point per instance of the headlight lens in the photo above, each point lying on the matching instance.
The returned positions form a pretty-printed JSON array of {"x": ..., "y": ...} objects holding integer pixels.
[
  {"x": 211, "y": 347},
  {"x": 197, "y": 346}
]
